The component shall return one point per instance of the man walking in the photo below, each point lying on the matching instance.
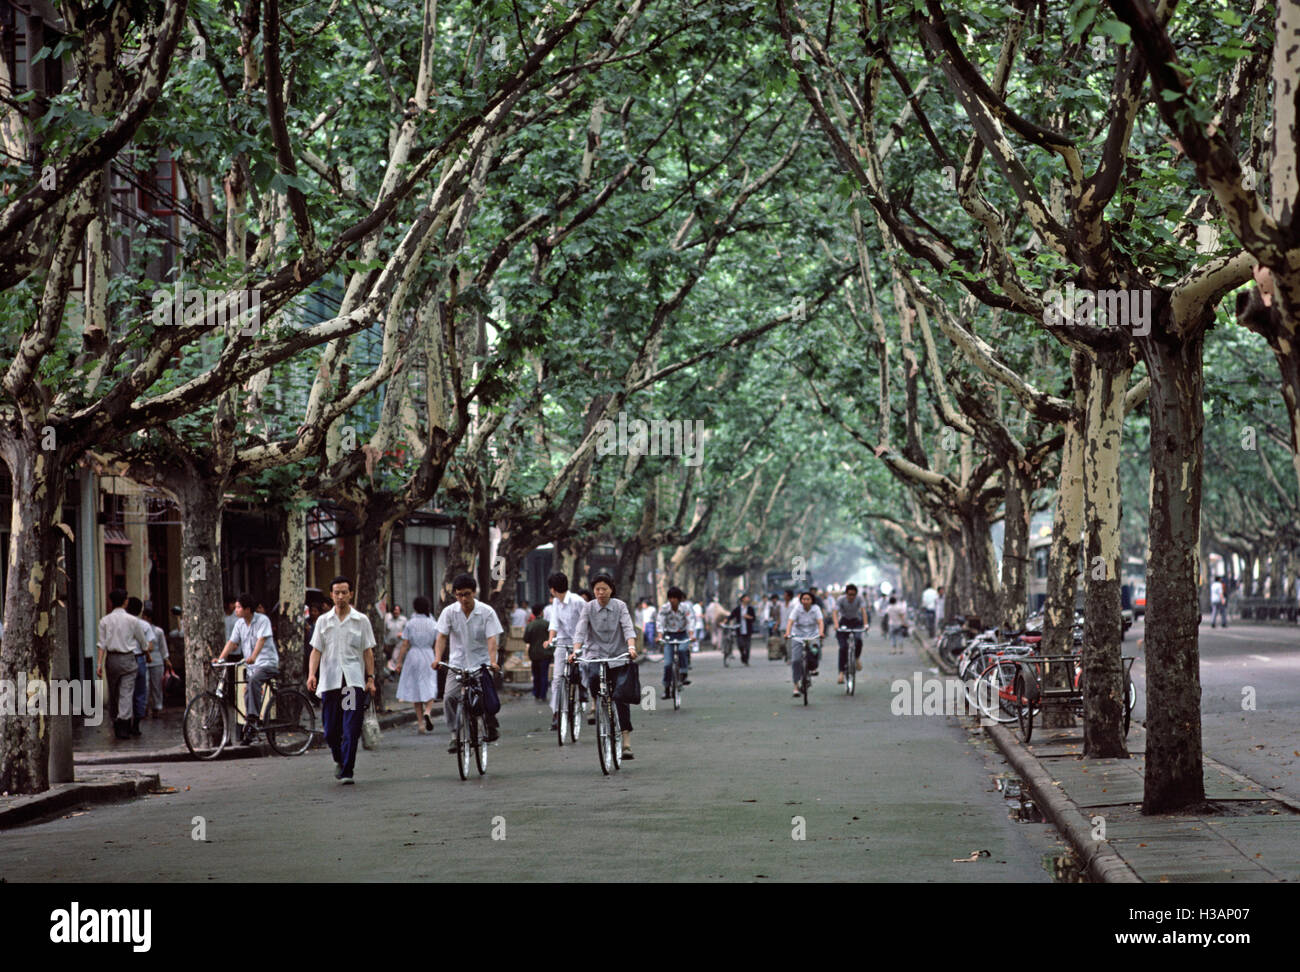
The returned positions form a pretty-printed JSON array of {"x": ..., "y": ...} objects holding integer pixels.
[
  {"x": 140, "y": 696},
  {"x": 929, "y": 597},
  {"x": 158, "y": 658},
  {"x": 743, "y": 615},
  {"x": 1218, "y": 603},
  {"x": 119, "y": 636},
  {"x": 343, "y": 653},
  {"x": 536, "y": 635}
]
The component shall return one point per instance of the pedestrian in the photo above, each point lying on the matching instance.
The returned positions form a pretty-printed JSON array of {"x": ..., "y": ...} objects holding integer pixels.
[
  {"x": 940, "y": 607},
  {"x": 140, "y": 693},
  {"x": 252, "y": 639},
  {"x": 418, "y": 684},
  {"x": 119, "y": 635},
  {"x": 566, "y": 605},
  {"x": 518, "y": 616},
  {"x": 231, "y": 616},
  {"x": 343, "y": 656},
  {"x": 896, "y": 612},
  {"x": 743, "y": 615},
  {"x": 1218, "y": 603},
  {"x": 159, "y": 661},
  {"x": 394, "y": 623},
  {"x": 536, "y": 635},
  {"x": 604, "y": 626},
  {"x": 467, "y": 638},
  {"x": 929, "y": 598},
  {"x": 714, "y": 615}
]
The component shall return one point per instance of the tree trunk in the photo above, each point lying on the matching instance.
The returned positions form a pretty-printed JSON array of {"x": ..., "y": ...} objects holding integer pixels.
[
  {"x": 200, "y": 501},
  {"x": 1174, "y": 771},
  {"x": 977, "y": 553},
  {"x": 1019, "y": 493},
  {"x": 293, "y": 593},
  {"x": 39, "y": 479},
  {"x": 1063, "y": 558},
  {"x": 376, "y": 526},
  {"x": 1103, "y": 682}
]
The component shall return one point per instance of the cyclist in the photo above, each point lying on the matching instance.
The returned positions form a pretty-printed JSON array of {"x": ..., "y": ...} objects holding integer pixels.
[
  {"x": 743, "y": 615},
  {"x": 251, "y": 636},
  {"x": 565, "y": 608},
  {"x": 805, "y": 621},
  {"x": 850, "y": 612},
  {"x": 602, "y": 623},
  {"x": 674, "y": 624},
  {"x": 470, "y": 627}
]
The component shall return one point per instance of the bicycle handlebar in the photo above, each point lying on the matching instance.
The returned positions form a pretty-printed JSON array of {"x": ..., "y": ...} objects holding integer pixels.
[{"x": 605, "y": 661}]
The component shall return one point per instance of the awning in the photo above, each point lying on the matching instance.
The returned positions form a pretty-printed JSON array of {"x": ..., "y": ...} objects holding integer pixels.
[{"x": 113, "y": 536}]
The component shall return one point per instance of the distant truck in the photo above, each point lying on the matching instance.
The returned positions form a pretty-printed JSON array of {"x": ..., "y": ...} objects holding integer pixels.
[{"x": 779, "y": 581}]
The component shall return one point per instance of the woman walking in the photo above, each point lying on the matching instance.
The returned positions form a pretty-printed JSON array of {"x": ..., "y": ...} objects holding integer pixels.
[{"x": 418, "y": 683}]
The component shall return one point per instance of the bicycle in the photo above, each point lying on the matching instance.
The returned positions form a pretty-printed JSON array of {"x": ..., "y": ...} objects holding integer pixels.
[
  {"x": 609, "y": 734},
  {"x": 728, "y": 640},
  {"x": 811, "y": 649},
  {"x": 470, "y": 734},
  {"x": 851, "y": 666},
  {"x": 286, "y": 717},
  {"x": 675, "y": 685},
  {"x": 569, "y": 715}
]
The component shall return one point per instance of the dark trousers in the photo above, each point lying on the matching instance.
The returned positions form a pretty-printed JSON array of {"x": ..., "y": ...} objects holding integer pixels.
[
  {"x": 343, "y": 723},
  {"x": 540, "y": 681},
  {"x": 742, "y": 643},
  {"x": 441, "y": 673},
  {"x": 622, "y": 708},
  {"x": 844, "y": 637},
  {"x": 140, "y": 699}
]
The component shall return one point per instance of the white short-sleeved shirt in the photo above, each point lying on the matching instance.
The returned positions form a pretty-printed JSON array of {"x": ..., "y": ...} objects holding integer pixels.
[
  {"x": 146, "y": 629},
  {"x": 158, "y": 658},
  {"x": 342, "y": 645},
  {"x": 120, "y": 633},
  {"x": 245, "y": 635},
  {"x": 564, "y": 617},
  {"x": 467, "y": 636},
  {"x": 420, "y": 631},
  {"x": 804, "y": 623}
]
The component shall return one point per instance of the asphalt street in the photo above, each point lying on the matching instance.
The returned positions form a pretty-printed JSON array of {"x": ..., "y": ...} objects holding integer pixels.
[{"x": 744, "y": 783}]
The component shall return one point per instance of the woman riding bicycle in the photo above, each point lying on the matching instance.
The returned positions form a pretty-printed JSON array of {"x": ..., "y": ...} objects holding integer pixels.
[
  {"x": 603, "y": 623},
  {"x": 804, "y": 623}
]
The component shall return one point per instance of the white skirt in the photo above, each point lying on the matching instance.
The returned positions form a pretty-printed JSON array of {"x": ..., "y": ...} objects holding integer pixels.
[{"x": 418, "y": 682}]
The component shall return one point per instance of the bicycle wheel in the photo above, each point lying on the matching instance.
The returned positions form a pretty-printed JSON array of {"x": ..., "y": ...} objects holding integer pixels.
[
  {"x": 993, "y": 692},
  {"x": 604, "y": 742},
  {"x": 1129, "y": 703},
  {"x": 726, "y": 651},
  {"x": 575, "y": 712},
  {"x": 562, "y": 713},
  {"x": 294, "y": 724},
  {"x": 204, "y": 728},
  {"x": 616, "y": 733},
  {"x": 806, "y": 684},
  {"x": 850, "y": 670},
  {"x": 462, "y": 742},
  {"x": 1026, "y": 714},
  {"x": 478, "y": 733},
  {"x": 677, "y": 683}
]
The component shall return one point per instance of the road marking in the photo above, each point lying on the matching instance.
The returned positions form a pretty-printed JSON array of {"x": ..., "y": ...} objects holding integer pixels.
[{"x": 1263, "y": 658}]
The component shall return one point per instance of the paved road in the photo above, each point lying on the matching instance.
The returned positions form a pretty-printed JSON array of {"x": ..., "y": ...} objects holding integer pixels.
[
  {"x": 718, "y": 791},
  {"x": 1259, "y": 663}
]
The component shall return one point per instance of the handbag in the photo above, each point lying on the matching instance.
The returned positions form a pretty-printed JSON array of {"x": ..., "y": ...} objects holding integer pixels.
[
  {"x": 370, "y": 728},
  {"x": 627, "y": 684},
  {"x": 491, "y": 701}
]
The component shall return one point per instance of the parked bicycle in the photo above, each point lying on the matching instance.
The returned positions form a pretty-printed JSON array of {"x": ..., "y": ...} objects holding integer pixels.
[
  {"x": 571, "y": 694},
  {"x": 609, "y": 733},
  {"x": 286, "y": 717},
  {"x": 470, "y": 733}
]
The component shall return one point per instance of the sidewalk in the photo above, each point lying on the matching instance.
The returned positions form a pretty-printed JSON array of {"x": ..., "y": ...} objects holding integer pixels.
[{"x": 1248, "y": 833}]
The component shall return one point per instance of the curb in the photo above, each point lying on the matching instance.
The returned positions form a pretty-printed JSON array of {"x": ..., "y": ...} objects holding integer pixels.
[
  {"x": 1101, "y": 862},
  {"x": 179, "y": 754},
  {"x": 114, "y": 787}
]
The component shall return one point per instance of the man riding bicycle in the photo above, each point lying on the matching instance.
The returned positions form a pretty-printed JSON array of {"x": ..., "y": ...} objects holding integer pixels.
[
  {"x": 470, "y": 627},
  {"x": 674, "y": 624},
  {"x": 850, "y": 612},
  {"x": 566, "y": 606},
  {"x": 805, "y": 622}
]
